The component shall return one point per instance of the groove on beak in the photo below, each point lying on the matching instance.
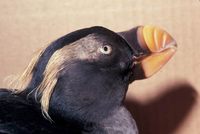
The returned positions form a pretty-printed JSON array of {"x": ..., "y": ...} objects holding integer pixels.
[
  {"x": 156, "y": 46},
  {"x": 161, "y": 47}
]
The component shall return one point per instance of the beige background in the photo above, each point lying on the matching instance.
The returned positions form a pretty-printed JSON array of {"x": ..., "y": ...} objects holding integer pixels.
[{"x": 167, "y": 103}]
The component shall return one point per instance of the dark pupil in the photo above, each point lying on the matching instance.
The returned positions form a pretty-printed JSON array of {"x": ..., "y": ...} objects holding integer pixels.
[{"x": 105, "y": 48}]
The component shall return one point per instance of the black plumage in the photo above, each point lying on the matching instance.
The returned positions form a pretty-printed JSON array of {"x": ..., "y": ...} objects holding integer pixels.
[{"x": 75, "y": 85}]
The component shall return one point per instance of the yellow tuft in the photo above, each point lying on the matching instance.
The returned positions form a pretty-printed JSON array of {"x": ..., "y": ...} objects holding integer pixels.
[{"x": 19, "y": 83}]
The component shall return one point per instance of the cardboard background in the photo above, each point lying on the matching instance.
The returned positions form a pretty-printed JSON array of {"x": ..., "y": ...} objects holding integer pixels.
[{"x": 168, "y": 102}]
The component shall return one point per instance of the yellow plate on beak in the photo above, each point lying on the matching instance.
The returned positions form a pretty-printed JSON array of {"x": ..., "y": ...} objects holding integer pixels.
[{"x": 160, "y": 45}]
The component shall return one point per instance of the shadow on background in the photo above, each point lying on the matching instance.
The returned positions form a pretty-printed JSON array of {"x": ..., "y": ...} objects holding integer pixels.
[{"x": 166, "y": 113}]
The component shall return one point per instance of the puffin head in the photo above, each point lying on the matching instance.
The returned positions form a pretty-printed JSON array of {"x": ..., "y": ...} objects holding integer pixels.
[{"x": 85, "y": 74}]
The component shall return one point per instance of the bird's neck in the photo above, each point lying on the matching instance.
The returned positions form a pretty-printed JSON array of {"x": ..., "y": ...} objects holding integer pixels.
[{"x": 119, "y": 121}]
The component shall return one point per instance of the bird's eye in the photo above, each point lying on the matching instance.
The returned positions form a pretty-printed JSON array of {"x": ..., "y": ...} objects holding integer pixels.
[{"x": 105, "y": 49}]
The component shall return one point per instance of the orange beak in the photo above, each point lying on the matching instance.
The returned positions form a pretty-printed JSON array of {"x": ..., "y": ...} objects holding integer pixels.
[{"x": 157, "y": 46}]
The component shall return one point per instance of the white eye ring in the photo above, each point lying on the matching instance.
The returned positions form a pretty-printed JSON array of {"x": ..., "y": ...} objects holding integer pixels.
[{"x": 105, "y": 49}]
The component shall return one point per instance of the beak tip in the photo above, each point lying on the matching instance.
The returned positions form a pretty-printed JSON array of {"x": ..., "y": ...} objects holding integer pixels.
[{"x": 155, "y": 39}]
